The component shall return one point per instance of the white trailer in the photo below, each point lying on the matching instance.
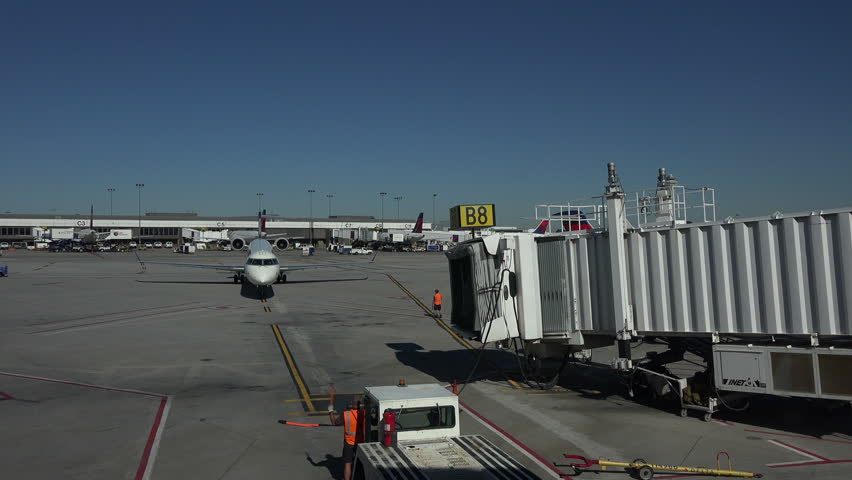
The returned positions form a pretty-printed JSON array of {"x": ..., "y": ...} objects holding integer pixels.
[
  {"x": 124, "y": 234},
  {"x": 766, "y": 302},
  {"x": 428, "y": 443}
]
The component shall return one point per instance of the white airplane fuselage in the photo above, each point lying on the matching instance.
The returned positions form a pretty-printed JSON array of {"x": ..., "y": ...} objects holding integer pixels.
[{"x": 261, "y": 267}]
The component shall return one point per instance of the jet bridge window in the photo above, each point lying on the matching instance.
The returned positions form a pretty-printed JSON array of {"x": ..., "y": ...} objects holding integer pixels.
[
  {"x": 425, "y": 418},
  {"x": 270, "y": 261}
]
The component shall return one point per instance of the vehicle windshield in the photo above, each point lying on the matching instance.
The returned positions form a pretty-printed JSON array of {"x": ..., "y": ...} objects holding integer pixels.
[{"x": 425, "y": 418}]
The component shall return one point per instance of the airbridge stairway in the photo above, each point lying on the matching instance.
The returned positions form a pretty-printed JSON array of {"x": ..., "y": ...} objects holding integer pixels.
[{"x": 768, "y": 299}]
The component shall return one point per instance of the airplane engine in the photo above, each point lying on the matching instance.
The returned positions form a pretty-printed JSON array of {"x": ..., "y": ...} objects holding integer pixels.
[
  {"x": 238, "y": 243},
  {"x": 282, "y": 244}
]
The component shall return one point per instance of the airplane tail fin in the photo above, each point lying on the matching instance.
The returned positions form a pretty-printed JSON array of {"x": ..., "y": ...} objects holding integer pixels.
[
  {"x": 418, "y": 227},
  {"x": 542, "y": 227},
  {"x": 91, "y": 217},
  {"x": 261, "y": 223}
]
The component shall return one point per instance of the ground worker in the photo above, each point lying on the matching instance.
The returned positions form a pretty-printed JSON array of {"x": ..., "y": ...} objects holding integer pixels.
[
  {"x": 354, "y": 428},
  {"x": 436, "y": 303}
]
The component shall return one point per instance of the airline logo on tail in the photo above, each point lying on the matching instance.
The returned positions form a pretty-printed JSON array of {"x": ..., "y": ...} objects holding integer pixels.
[{"x": 418, "y": 227}]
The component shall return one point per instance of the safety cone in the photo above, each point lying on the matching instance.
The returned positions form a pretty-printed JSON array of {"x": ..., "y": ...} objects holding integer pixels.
[{"x": 455, "y": 387}]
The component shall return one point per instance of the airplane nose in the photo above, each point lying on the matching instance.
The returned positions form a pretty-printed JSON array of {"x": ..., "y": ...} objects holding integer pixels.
[{"x": 269, "y": 276}]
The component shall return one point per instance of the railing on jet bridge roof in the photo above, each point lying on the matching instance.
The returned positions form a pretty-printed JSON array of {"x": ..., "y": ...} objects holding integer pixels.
[{"x": 648, "y": 208}]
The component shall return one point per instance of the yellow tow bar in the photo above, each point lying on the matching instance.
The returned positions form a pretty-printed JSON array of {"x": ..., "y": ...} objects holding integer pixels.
[{"x": 645, "y": 470}]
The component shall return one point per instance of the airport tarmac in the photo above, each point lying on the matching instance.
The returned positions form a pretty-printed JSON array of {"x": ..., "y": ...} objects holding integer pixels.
[{"x": 174, "y": 373}]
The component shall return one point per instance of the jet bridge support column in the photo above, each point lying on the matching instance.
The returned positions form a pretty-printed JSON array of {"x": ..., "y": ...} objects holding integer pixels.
[{"x": 623, "y": 314}]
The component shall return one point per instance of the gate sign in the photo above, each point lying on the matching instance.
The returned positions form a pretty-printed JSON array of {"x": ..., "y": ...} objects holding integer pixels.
[{"x": 467, "y": 217}]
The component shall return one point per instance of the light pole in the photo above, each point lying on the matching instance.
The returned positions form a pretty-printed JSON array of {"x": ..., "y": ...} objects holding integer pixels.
[
  {"x": 139, "y": 186},
  {"x": 434, "y": 220},
  {"x": 382, "y": 197},
  {"x": 329, "y": 197},
  {"x": 110, "y": 190},
  {"x": 259, "y": 196},
  {"x": 397, "y": 205},
  {"x": 311, "y": 214}
]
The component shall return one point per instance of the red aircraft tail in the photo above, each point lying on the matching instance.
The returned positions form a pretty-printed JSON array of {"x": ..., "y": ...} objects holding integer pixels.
[
  {"x": 542, "y": 227},
  {"x": 92, "y": 217},
  {"x": 418, "y": 227},
  {"x": 261, "y": 222}
]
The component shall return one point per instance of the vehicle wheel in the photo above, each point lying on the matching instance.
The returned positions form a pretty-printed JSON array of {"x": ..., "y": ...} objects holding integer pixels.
[
  {"x": 707, "y": 417},
  {"x": 639, "y": 460},
  {"x": 684, "y": 412},
  {"x": 645, "y": 473}
]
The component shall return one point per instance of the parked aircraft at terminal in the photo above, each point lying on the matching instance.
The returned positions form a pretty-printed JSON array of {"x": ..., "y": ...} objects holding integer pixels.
[{"x": 240, "y": 238}]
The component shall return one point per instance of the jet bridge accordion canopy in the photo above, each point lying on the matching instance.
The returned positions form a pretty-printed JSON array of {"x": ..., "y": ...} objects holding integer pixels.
[{"x": 778, "y": 275}]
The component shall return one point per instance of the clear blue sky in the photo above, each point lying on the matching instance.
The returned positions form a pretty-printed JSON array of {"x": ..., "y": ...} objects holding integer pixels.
[{"x": 513, "y": 103}]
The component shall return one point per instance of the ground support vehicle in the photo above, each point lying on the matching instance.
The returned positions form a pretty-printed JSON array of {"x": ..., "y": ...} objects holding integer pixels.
[
  {"x": 645, "y": 471},
  {"x": 413, "y": 433}
]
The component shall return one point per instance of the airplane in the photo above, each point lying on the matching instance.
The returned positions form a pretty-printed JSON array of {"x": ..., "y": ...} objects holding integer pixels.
[
  {"x": 261, "y": 267},
  {"x": 572, "y": 221},
  {"x": 89, "y": 236},
  {"x": 240, "y": 238},
  {"x": 418, "y": 235}
]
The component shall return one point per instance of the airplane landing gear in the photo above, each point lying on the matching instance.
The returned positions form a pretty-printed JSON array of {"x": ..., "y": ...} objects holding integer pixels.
[
  {"x": 238, "y": 279},
  {"x": 282, "y": 278}
]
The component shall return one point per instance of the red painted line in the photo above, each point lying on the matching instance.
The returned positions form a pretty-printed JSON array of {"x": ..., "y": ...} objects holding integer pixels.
[
  {"x": 78, "y": 384},
  {"x": 6, "y": 396},
  {"x": 805, "y": 464},
  {"x": 515, "y": 441},
  {"x": 152, "y": 435},
  {"x": 798, "y": 436},
  {"x": 113, "y": 320},
  {"x": 723, "y": 421},
  {"x": 146, "y": 454},
  {"x": 802, "y": 450},
  {"x": 109, "y": 314}
]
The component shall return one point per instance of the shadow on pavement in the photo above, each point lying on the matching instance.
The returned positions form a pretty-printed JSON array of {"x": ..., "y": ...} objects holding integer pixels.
[
  {"x": 253, "y": 292},
  {"x": 333, "y": 464}
]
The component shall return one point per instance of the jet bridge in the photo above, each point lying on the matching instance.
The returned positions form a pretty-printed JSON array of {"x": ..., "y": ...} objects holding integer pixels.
[{"x": 764, "y": 301}]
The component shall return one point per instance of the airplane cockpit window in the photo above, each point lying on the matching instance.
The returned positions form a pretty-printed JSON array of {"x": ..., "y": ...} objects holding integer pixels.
[
  {"x": 255, "y": 261},
  {"x": 270, "y": 261}
]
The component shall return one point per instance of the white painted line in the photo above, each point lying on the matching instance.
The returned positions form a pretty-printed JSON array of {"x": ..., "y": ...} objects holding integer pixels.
[
  {"x": 811, "y": 457},
  {"x": 156, "y": 446}
]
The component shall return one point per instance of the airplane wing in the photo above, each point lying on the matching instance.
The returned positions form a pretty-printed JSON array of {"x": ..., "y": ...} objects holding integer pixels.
[
  {"x": 286, "y": 268},
  {"x": 224, "y": 268}
]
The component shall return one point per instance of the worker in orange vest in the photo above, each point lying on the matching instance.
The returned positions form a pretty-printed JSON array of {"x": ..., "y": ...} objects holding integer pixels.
[
  {"x": 354, "y": 429},
  {"x": 436, "y": 303}
]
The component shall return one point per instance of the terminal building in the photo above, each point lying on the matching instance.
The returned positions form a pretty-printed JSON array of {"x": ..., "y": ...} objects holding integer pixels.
[{"x": 26, "y": 229}]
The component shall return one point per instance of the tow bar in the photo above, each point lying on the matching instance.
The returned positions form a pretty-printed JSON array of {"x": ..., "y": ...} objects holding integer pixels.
[{"x": 645, "y": 471}]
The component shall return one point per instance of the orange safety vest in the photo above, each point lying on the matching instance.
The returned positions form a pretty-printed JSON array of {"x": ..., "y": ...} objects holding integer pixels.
[
  {"x": 353, "y": 427},
  {"x": 437, "y": 299}
]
